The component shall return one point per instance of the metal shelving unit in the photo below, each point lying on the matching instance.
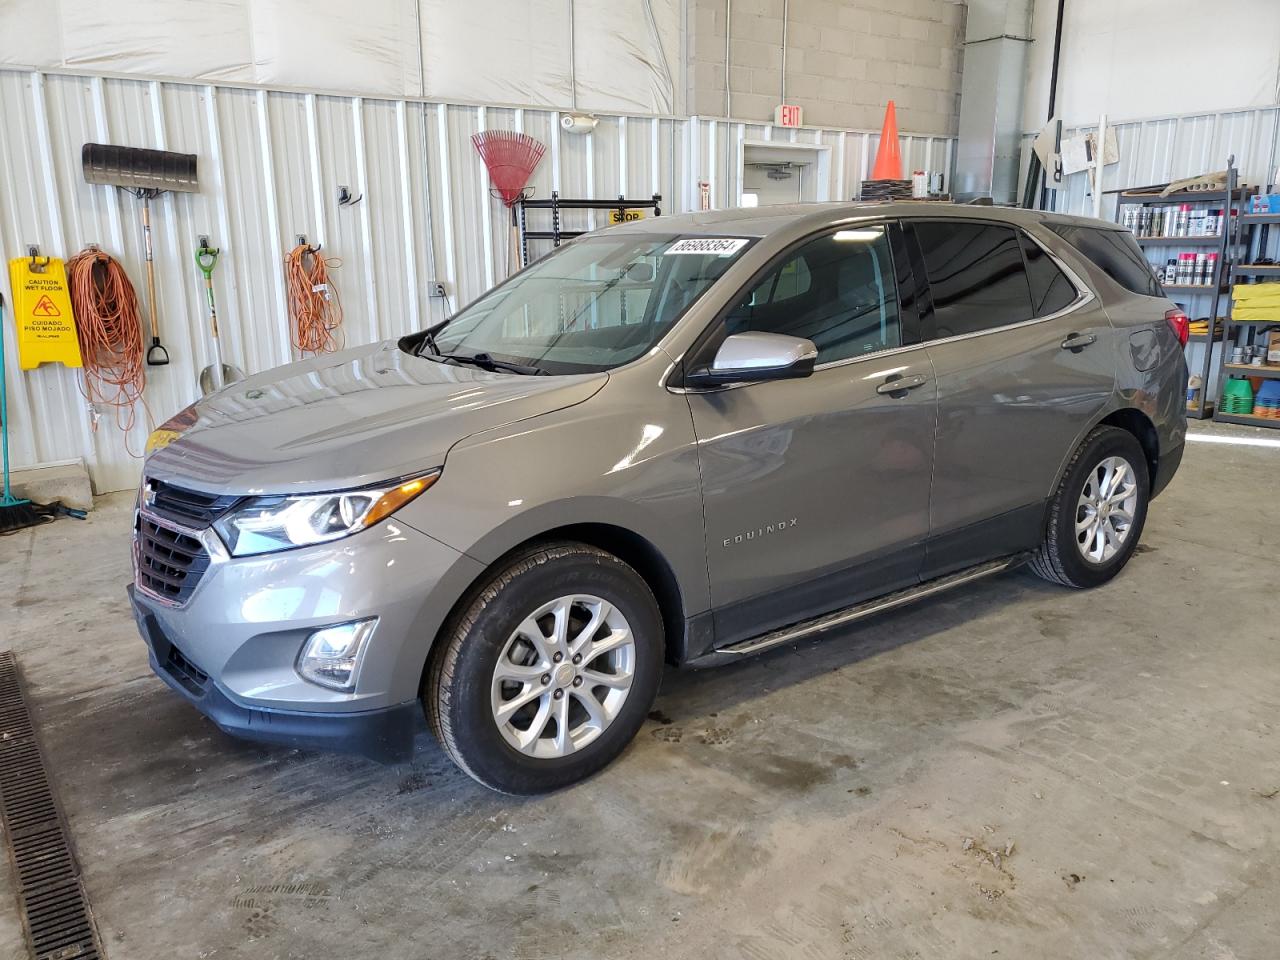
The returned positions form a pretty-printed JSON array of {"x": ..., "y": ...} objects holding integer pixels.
[
  {"x": 1224, "y": 240},
  {"x": 556, "y": 204},
  {"x": 1256, "y": 232}
]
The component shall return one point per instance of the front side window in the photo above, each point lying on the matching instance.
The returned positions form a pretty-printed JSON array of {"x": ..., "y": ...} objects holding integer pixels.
[
  {"x": 976, "y": 276},
  {"x": 837, "y": 291},
  {"x": 594, "y": 304}
]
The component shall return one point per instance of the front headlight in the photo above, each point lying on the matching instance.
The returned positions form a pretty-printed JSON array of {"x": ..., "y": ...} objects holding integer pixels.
[{"x": 267, "y": 524}]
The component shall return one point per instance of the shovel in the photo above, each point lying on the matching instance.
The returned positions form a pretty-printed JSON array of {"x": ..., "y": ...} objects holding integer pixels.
[
  {"x": 218, "y": 374},
  {"x": 146, "y": 174}
]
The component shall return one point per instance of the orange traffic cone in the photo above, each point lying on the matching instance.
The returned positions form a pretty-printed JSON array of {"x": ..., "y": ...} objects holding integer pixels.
[{"x": 888, "y": 155}]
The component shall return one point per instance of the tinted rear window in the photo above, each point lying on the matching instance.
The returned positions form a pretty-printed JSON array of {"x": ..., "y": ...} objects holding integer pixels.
[
  {"x": 1051, "y": 291},
  {"x": 1116, "y": 254},
  {"x": 976, "y": 276}
]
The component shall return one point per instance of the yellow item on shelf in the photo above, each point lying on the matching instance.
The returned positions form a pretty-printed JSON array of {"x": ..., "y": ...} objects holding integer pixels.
[
  {"x": 1268, "y": 313},
  {"x": 1257, "y": 302},
  {"x": 1256, "y": 291},
  {"x": 42, "y": 313},
  {"x": 1260, "y": 300}
]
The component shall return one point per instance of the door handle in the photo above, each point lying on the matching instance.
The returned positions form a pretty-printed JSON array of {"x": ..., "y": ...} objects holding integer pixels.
[
  {"x": 898, "y": 385},
  {"x": 1078, "y": 341}
]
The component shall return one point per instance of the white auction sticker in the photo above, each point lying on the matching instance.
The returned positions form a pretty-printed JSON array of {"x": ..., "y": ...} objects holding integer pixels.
[{"x": 708, "y": 246}]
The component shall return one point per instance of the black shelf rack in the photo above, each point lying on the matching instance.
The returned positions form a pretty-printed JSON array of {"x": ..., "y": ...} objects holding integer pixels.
[
  {"x": 1256, "y": 236},
  {"x": 556, "y": 203},
  {"x": 1228, "y": 235}
]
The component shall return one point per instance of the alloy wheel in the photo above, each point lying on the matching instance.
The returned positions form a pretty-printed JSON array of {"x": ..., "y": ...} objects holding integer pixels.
[
  {"x": 563, "y": 675},
  {"x": 1105, "y": 512}
]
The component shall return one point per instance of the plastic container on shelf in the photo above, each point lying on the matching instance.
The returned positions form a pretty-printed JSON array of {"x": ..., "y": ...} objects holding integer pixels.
[
  {"x": 1266, "y": 403},
  {"x": 1237, "y": 397}
]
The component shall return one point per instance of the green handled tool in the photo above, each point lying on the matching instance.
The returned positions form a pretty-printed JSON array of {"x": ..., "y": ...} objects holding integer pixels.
[{"x": 217, "y": 374}]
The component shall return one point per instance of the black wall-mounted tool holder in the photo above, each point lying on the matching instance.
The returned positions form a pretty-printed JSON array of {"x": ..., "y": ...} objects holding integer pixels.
[
  {"x": 146, "y": 174},
  {"x": 556, "y": 203}
]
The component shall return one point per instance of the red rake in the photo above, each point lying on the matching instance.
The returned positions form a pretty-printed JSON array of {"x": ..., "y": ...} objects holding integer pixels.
[{"x": 510, "y": 158}]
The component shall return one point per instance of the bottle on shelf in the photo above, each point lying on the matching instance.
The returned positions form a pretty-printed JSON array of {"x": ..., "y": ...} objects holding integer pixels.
[{"x": 1182, "y": 224}]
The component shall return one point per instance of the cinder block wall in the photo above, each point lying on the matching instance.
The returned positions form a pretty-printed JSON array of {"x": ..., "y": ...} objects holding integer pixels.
[{"x": 845, "y": 60}]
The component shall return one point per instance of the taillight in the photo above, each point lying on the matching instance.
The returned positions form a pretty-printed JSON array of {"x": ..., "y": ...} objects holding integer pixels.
[{"x": 1180, "y": 324}]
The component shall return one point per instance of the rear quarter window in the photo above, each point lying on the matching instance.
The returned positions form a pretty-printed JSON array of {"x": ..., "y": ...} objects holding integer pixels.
[
  {"x": 1051, "y": 291},
  {"x": 1115, "y": 253}
]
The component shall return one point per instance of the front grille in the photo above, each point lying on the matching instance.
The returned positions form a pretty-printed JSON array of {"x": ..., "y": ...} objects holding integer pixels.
[
  {"x": 187, "y": 507},
  {"x": 170, "y": 563},
  {"x": 185, "y": 672}
]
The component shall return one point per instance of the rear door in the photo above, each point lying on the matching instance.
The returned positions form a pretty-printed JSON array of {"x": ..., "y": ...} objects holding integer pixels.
[
  {"x": 816, "y": 490},
  {"x": 1023, "y": 359}
]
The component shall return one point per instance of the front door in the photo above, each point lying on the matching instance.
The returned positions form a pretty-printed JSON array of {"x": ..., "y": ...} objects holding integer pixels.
[
  {"x": 1023, "y": 358},
  {"x": 816, "y": 490}
]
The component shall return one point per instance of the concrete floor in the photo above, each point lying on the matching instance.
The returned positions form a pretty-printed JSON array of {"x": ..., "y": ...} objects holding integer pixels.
[{"x": 1011, "y": 770}]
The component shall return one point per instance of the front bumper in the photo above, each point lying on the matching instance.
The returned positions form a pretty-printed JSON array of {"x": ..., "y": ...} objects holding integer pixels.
[
  {"x": 385, "y": 735},
  {"x": 231, "y": 646}
]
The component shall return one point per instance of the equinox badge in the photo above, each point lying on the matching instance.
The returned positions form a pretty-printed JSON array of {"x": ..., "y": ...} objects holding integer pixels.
[{"x": 759, "y": 532}]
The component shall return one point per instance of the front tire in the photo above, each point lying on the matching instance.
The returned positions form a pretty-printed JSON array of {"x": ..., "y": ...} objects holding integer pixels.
[
  {"x": 1097, "y": 514},
  {"x": 548, "y": 671}
]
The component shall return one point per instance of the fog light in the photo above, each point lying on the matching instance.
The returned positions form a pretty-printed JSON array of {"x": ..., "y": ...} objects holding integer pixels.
[{"x": 331, "y": 657}]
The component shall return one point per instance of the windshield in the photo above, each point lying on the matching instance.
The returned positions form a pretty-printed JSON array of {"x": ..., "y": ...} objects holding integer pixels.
[{"x": 594, "y": 304}]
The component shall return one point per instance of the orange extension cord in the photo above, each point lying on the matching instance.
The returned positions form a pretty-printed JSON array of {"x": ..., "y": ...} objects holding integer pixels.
[
  {"x": 109, "y": 327},
  {"x": 315, "y": 312}
]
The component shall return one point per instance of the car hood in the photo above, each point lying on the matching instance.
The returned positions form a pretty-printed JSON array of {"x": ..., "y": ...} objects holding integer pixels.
[{"x": 347, "y": 419}]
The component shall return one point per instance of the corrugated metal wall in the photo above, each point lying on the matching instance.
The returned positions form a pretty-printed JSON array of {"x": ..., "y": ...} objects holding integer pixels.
[
  {"x": 1161, "y": 149},
  {"x": 271, "y": 163}
]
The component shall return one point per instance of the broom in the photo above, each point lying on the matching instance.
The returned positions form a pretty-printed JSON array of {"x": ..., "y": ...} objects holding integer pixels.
[{"x": 15, "y": 514}]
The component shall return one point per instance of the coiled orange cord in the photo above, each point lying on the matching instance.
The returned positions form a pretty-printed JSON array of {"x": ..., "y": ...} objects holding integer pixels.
[
  {"x": 315, "y": 312},
  {"x": 109, "y": 328}
]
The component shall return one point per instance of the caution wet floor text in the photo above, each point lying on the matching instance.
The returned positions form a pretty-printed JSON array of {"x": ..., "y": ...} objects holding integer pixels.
[{"x": 42, "y": 313}]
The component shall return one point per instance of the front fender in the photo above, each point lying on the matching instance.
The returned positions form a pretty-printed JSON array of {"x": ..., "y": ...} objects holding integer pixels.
[{"x": 619, "y": 460}]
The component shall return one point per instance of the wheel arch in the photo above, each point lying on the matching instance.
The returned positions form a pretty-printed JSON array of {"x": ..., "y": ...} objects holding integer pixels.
[
  {"x": 1130, "y": 419},
  {"x": 636, "y": 550},
  {"x": 642, "y": 556},
  {"x": 1144, "y": 431}
]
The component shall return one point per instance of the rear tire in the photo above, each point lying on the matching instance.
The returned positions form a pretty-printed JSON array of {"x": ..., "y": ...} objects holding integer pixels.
[
  {"x": 548, "y": 671},
  {"x": 1097, "y": 514}
]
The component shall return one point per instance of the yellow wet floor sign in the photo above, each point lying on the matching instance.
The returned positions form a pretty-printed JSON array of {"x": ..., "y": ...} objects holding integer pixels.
[{"x": 42, "y": 313}]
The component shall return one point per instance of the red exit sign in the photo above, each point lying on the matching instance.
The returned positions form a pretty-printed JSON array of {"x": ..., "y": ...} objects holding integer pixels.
[{"x": 788, "y": 115}]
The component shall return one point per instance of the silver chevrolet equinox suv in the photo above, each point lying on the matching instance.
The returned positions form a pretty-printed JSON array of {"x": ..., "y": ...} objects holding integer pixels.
[{"x": 684, "y": 440}]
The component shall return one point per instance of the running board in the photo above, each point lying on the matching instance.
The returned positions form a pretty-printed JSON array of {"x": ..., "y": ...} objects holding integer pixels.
[{"x": 828, "y": 621}]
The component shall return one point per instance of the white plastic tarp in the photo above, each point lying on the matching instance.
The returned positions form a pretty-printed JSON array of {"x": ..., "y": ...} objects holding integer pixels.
[
  {"x": 624, "y": 59},
  {"x": 369, "y": 47},
  {"x": 625, "y": 52},
  {"x": 496, "y": 51}
]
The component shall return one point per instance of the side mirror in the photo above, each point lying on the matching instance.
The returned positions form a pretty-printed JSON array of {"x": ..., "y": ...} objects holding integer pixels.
[{"x": 752, "y": 356}]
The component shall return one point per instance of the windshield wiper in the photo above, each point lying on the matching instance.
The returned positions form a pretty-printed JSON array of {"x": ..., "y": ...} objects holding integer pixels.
[
  {"x": 429, "y": 342},
  {"x": 486, "y": 362}
]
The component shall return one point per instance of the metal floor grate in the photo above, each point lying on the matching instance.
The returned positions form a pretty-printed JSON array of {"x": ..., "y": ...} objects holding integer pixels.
[{"x": 55, "y": 912}]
